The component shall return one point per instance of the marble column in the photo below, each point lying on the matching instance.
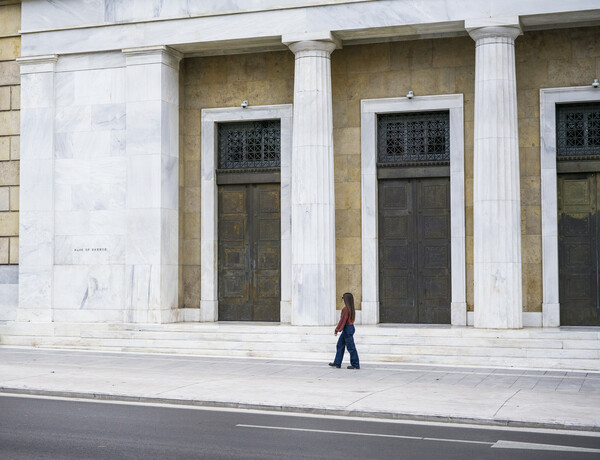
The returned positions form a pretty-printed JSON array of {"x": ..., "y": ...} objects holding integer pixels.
[
  {"x": 313, "y": 199},
  {"x": 496, "y": 190},
  {"x": 36, "y": 216},
  {"x": 152, "y": 101}
]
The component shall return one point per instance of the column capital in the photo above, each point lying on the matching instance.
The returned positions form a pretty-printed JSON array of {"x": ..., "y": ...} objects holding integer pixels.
[
  {"x": 317, "y": 41},
  {"x": 153, "y": 55},
  {"x": 507, "y": 27},
  {"x": 37, "y": 64}
]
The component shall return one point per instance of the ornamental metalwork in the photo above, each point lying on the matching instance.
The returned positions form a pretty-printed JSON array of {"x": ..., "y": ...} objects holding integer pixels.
[
  {"x": 413, "y": 138},
  {"x": 578, "y": 131},
  {"x": 249, "y": 145}
]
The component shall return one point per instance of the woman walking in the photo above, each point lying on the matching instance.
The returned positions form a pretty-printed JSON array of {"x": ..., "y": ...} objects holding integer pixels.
[{"x": 346, "y": 340}]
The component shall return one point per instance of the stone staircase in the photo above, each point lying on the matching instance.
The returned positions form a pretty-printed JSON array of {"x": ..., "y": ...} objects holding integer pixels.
[{"x": 555, "y": 348}]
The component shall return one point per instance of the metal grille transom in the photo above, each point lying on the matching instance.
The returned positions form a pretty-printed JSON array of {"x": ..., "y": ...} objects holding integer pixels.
[
  {"x": 404, "y": 139},
  {"x": 249, "y": 145},
  {"x": 578, "y": 131}
]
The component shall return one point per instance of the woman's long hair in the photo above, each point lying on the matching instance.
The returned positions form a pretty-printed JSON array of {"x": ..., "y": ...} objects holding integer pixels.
[{"x": 349, "y": 302}]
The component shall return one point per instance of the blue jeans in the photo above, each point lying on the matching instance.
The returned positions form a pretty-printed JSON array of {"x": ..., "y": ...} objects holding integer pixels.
[{"x": 346, "y": 340}]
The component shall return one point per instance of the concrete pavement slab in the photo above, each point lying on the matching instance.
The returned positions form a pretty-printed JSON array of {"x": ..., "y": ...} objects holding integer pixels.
[{"x": 480, "y": 395}]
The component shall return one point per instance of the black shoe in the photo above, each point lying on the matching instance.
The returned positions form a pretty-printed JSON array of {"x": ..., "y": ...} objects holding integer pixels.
[
  {"x": 334, "y": 365},
  {"x": 352, "y": 367}
]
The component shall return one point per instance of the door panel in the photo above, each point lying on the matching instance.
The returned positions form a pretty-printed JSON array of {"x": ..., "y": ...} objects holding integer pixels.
[
  {"x": 249, "y": 252},
  {"x": 433, "y": 261},
  {"x": 414, "y": 250},
  {"x": 397, "y": 252},
  {"x": 266, "y": 252},
  {"x": 234, "y": 287},
  {"x": 579, "y": 246}
]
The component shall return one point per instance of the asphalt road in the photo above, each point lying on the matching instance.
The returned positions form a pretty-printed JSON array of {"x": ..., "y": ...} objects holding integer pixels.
[{"x": 37, "y": 428}]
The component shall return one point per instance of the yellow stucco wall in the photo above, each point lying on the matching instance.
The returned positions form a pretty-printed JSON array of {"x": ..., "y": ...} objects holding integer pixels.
[
  {"x": 10, "y": 95},
  {"x": 566, "y": 57},
  {"x": 426, "y": 67},
  {"x": 223, "y": 81},
  {"x": 545, "y": 59}
]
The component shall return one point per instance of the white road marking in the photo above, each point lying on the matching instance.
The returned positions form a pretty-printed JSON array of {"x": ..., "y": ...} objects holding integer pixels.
[
  {"x": 355, "y": 433},
  {"x": 498, "y": 444},
  {"x": 473, "y": 426},
  {"x": 532, "y": 446}
]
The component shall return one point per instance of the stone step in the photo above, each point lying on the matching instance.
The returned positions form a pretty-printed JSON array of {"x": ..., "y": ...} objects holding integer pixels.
[
  {"x": 487, "y": 361},
  {"x": 243, "y": 330},
  {"x": 546, "y": 348},
  {"x": 379, "y": 330},
  {"x": 362, "y": 338},
  {"x": 400, "y": 349}
]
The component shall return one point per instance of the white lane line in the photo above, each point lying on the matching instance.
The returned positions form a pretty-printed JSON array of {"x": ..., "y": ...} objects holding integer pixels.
[
  {"x": 354, "y": 433},
  {"x": 468, "y": 426},
  {"x": 532, "y": 446}
]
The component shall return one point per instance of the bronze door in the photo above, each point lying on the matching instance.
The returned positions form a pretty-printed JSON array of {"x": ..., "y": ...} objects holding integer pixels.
[
  {"x": 579, "y": 244},
  {"x": 414, "y": 251},
  {"x": 249, "y": 252}
]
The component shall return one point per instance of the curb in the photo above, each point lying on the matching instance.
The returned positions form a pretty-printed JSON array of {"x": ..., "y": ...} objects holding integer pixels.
[{"x": 301, "y": 410}]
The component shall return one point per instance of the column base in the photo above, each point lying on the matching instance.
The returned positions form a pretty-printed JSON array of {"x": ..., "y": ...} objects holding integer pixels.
[
  {"x": 458, "y": 313},
  {"x": 285, "y": 311},
  {"x": 370, "y": 312},
  {"x": 550, "y": 314},
  {"x": 209, "y": 311}
]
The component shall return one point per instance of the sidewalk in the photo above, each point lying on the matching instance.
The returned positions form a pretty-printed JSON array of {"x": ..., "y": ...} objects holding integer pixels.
[{"x": 535, "y": 398}]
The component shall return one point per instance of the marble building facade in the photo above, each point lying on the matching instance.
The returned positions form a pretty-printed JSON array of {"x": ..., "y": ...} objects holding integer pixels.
[{"x": 119, "y": 107}]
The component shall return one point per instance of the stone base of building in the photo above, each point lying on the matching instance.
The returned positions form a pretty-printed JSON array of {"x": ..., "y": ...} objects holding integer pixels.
[{"x": 542, "y": 348}]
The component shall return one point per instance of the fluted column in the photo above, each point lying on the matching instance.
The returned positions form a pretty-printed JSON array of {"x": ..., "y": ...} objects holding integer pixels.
[
  {"x": 496, "y": 194},
  {"x": 313, "y": 200}
]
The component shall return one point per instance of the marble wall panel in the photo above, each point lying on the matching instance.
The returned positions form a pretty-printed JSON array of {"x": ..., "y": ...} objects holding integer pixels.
[
  {"x": 72, "y": 223},
  {"x": 85, "y": 144},
  {"x": 64, "y": 88},
  {"x": 102, "y": 86},
  {"x": 40, "y": 122},
  {"x": 109, "y": 222},
  {"x": 40, "y": 88},
  {"x": 35, "y": 293},
  {"x": 72, "y": 171},
  {"x": 89, "y": 250},
  {"x": 170, "y": 175},
  {"x": 108, "y": 170},
  {"x": 144, "y": 236},
  {"x": 144, "y": 127},
  {"x": 98, "y": 197},
  {"x": 36, "y": 190},
  {"x": 9, "y": 300},
  {"x": 108, "y": 117},
  {"x": 36, "y": 238},
  {"x": 9, "y": 292},
  {"x": 143, "y": 181},
  {"x": 143, "y": 82},
  {"x": 89, "y": 288},
  {"x": 73, "y": 118},
  {"x": 170, "y": 129}
]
